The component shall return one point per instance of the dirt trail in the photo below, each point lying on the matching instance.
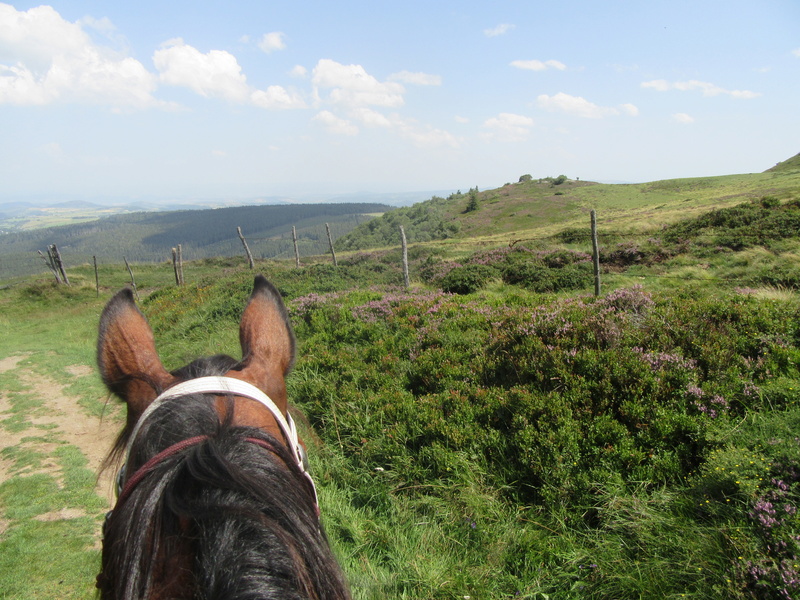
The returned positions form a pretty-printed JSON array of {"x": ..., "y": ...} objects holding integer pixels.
[{"x": 91, "y": 435}]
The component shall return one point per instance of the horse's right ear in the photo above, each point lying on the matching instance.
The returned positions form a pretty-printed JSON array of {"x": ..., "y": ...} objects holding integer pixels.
[{"x": 127, "y": 356}]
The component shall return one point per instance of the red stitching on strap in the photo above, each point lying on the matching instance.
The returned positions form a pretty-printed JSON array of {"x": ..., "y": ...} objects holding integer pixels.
[{"x": 150, "y": 464}]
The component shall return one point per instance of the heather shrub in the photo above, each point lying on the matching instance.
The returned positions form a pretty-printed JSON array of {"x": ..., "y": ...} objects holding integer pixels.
[
  {"x": 544, "y": 279},
  {"x": 467, "y": 279},
  {"x": 546, "y": 397},
  {"x": 759, "y": 222},
  {"x": 749, "y": 489}
]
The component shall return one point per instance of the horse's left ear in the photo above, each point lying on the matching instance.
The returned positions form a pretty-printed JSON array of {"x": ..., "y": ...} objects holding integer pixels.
[
  {"x": 127, "y": 356},
  {"x": 268, "y": 342}
]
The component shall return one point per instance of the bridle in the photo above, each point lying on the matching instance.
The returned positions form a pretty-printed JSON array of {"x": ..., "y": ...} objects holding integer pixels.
[{"x": 210, "y": 385}]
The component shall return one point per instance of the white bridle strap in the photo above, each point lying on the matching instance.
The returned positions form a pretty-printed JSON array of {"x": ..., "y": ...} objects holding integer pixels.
[{"x": 225, "y": 385}]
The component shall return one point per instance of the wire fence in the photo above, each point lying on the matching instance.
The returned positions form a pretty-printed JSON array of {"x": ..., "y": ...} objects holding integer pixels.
[{"x": 284, "y": 248}]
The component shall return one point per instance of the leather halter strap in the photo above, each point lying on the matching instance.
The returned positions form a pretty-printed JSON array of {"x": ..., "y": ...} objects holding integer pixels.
[{"x": 234, "y": 387}]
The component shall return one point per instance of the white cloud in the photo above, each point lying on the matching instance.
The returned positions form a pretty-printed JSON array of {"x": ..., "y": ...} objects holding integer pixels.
[
  {"x": 102, "y": 25},
  {"x": 631, "y": 109},
  {"x": 54, "y": 60},
  {"x": 707, "y": 89},
  {"x": 216, "y": 74},
  {"x": 298, "y": 72},
  {"x": 682, "y": 118},
  {"x": 351, "y": 86},
  {"x": 36, "y": 36},
  {"x": 508, "y": 127},
  {"x": 423, "y": 136},
  {"x": 796, "y": 52},
  {"x": 272, "y": 41},
  {"x": 659, "y": 85},
  {"x": 405, "y": 128},
  {"x": 538, "y": 65},
  {"x": 416, "y": 78},
  {"x": 334, "y": 124},
  {"x": 371, "y": 118},
  {"x": 574, "y": 105},
  {"x": 501, "y": 29},
  {"x": 276, "y": 97},
  {"x": 460, "y": 119},
  {"x": 351, "y": 91}
]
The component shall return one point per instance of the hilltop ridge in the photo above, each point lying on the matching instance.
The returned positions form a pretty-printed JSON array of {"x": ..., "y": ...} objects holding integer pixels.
[
  {"x": 788, "y": 165},
  {"x": 535, "y": 207}
]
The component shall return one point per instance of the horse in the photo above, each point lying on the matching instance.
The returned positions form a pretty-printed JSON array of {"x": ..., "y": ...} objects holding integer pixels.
[{"x": 214, "y": 497}]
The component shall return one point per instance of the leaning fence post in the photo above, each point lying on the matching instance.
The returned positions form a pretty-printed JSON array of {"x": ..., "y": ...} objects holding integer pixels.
[
  {"x": 246, "y": 248},
  {"x": 595, "y": 255},
  {"x": 330, "y": 243},
  {"x": 296, "y": 253},
  {"x": 406, "y": 280},
  {"x": 59, "y": 263},
  {"x": 175, "y": 266},
  {"x": 49, "y": 264}
]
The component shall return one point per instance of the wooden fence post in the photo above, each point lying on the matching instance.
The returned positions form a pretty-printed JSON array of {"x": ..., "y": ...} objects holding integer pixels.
[
  {"x": 246, "y": 248},
  {"x": 180, "y": 265},
  {"x": 330, "y": 243},
  {"x": 406, "y": 279},
  {"x": 133, "y": 281},
  {"x": 175, "y": 266},
  {"x": 296, "y": 253},
  {"x": 595, "y": 254},
  {"x": 59, "y": 263},
  {"x": 96, "y": 276}
]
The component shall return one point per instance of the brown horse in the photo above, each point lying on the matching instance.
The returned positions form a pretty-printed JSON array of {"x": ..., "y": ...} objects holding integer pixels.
[{"x": 214, "y": 499}]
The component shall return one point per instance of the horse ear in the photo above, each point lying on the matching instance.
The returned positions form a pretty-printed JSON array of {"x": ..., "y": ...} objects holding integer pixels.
[
  {"x": 268, "y": 342},
  {"x": 127, "y": 357}
]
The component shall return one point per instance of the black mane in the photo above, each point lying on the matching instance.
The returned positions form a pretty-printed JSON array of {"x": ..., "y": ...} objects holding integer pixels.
[{"x": 225, "y": 518}]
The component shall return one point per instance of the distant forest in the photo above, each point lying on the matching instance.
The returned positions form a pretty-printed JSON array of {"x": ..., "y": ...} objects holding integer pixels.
[{"x": 150, "y": 236}]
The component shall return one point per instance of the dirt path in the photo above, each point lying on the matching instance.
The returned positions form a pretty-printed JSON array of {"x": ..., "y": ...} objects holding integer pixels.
[{"x": 91, "y": 435}]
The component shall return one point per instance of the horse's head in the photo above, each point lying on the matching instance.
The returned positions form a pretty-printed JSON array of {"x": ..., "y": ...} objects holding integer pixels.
[
  {"x": 131, "y": 368},
  {"x": 215, "y": 493}
]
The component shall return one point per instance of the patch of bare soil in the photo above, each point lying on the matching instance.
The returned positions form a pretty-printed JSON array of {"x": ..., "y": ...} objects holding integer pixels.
[
  {"x": 10, "y": 363},
  {"x": 91, "y": 435}
]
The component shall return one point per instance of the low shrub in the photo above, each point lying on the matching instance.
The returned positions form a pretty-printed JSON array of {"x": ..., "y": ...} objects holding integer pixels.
[
  {"x": 467, "y": 279},
  {"x": 544, "y": 279}
]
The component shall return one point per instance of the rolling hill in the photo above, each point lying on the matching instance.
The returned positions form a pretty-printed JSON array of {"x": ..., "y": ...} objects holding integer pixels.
[
  {"x": 543, "y": 207},
  {"x": 149, "y": 237}
]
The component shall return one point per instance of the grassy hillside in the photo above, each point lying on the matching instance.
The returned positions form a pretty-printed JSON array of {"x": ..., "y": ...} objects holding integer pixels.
[
  {"x": 542, "y": 207},
  {"x": 787, "y": 166}
]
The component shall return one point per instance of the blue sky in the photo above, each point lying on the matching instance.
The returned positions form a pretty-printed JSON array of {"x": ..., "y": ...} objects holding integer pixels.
[{"x": 197, "y": 99}]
